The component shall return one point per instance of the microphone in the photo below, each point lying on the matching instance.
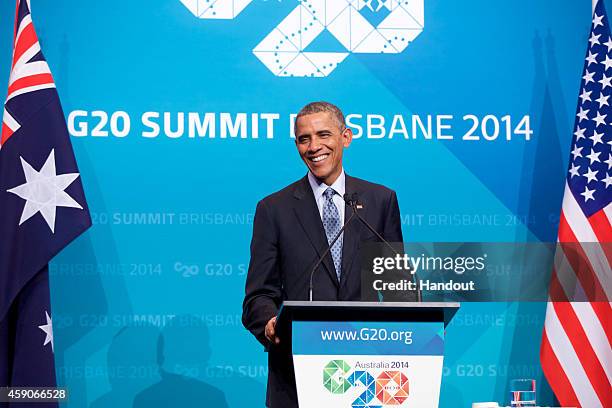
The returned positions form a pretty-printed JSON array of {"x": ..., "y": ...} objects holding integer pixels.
[
  {"x": 353, "y": 202},
  {"x": 327, "y": 250}
]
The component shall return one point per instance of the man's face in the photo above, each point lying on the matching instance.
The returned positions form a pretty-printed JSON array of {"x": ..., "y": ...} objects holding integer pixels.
[{"x": 320, "y": 141}]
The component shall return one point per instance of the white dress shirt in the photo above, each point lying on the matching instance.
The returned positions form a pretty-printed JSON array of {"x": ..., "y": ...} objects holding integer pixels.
[{"x": 318, "y": 188}]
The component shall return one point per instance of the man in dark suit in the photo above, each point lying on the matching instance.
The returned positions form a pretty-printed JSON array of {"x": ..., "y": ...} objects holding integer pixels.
[{"x": 292, "y": 229}]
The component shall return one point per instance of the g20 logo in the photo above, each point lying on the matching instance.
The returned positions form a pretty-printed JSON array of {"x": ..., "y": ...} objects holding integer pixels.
[
  {"x": 389, "y": 388},
  {"x": 283, "y": 50}
]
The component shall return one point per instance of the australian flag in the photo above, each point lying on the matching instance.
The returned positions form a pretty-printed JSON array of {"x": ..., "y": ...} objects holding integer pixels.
[{"x": 42, "y": 209}]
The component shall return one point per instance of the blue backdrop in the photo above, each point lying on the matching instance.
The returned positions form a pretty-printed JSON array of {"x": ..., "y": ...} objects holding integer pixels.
[{"x": 167, "y": 255}]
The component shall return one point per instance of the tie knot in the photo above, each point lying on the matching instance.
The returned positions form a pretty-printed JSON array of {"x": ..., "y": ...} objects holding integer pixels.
[{"x": 329, "y": 193}]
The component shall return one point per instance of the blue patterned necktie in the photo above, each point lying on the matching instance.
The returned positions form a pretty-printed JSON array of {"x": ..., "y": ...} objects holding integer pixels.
[{"x": 332, "y": 224}]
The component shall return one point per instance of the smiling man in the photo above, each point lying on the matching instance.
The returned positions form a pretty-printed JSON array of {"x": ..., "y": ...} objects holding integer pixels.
[{"x": 294, "y": 226}]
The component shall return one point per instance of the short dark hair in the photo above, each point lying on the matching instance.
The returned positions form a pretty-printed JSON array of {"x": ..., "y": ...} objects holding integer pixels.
[{"x": 321, "y": 106}]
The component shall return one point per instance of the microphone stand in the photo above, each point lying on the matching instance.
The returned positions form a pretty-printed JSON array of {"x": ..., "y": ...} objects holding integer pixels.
[{"x": 352, "y": 203}]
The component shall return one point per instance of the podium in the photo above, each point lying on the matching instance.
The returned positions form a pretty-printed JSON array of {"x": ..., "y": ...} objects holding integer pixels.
[{"x": 366, "y": 354}]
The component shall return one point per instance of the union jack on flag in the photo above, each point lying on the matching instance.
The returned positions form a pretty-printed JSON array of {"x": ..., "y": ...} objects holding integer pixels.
[
  {"x": 29, "y": 71},
  {"x": 42, "y": 209},
  {"x": 576, "y": 352}
]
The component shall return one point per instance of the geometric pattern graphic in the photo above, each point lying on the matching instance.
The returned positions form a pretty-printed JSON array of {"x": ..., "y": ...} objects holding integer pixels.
[
  {"x": 283, "y": 50},
  {"x": 366, "y": 380},
  {"x": 216, "y": 9},
  {"x": 334, "y": 376},
  {"x": 390, "y": 387}
]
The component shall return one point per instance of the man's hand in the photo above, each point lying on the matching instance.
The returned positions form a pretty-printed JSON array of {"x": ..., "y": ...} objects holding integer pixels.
[{"x": 270, "y": 331}]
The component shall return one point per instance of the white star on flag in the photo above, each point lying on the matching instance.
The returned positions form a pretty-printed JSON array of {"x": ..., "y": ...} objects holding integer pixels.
[
  {"x": 602, "y": 100},
  {"x": 44, "y": 191},
  {"x": 608, "y": 62},
  {"x": 594, "y": 39},
  {"x": 600, "y": 119},
  {"x": 592, "y": 58},
  {"x": 596, "y": 138},
  {"x": 605, "y": 81},
  {"x": 587, "y": 194},
  {"x": 588, "y": 77},
  {"x": 591, "y": 175},
  {"x": 574, "y": 170},
  {"x": 585, "y": 96},
  {"x": 597, "y": 20},
  {"x": 48, "y": 329},
  {"x": 594, "y": 156},
  {"x": 607, "y": 180},
  {"x": 582, "y": 114},
  {"x": 608, "y": 44},
  {"x": 579, "y": 133}
]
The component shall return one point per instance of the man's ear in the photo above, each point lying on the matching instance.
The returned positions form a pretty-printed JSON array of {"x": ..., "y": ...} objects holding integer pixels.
[{"x": 347, "y": 137}]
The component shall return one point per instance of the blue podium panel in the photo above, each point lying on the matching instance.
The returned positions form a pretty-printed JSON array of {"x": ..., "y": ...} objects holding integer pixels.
[{"x": 368, "y": 364}]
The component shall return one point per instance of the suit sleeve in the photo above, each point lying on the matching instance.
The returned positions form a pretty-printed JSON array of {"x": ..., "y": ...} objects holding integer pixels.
[
  {"x": 263, "y": 283},
  {"x": 393, "y": 222}
]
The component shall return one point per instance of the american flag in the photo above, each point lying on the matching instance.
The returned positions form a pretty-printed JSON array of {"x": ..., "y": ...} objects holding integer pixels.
[
  {"x": 42, "y": 209},
  {"x": 576, "y": 352}
]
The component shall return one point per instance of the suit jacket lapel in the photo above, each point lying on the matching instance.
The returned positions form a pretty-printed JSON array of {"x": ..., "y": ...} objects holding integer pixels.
[
  {"x": 308, "y": 215},
  {"x": 351, "y": 235}
]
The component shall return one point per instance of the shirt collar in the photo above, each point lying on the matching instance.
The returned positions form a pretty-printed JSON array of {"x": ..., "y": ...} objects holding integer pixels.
[{"x": 318, "y": 187}]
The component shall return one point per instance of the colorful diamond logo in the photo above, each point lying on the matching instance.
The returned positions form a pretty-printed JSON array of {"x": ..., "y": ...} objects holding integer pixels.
[
  {"x": 334, "y": 376},
  {"x": 392, "y": 387}
]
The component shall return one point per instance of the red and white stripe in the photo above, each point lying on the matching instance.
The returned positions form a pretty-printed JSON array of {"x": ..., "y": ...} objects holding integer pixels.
[
  {"x": 576, "y": 351},
  {"x": 25, "y": 76}
]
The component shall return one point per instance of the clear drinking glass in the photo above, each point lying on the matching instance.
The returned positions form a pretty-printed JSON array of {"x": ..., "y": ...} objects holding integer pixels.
[{"x": 523, "y": 393}]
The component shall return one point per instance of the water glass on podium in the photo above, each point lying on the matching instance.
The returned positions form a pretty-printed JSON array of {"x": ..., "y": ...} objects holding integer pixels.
[{"x": 523, "y": 393}]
